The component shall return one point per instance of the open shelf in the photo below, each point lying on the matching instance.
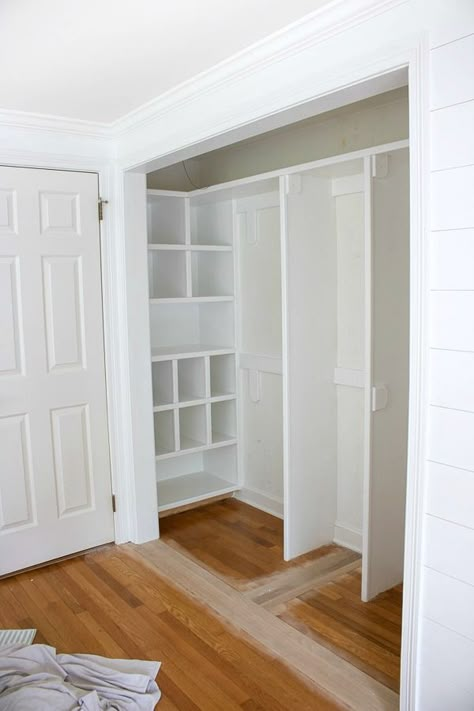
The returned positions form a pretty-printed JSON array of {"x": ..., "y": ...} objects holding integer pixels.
[
  {"x": 220, "y": 442},
  {"x": 211, "y": 223},
  {"x": 212, "y": 274},
  {"x": 167, "y": 274},
  {"x": 164, "y": 433},
  {"x": 190, "y": 247},
  {"x": 189, "y": 299},
  {"x": 222, "y": 375},
  {"x": 192, "y": 321},
  {"x": 190, "y": 350},
  {"x": 192, "y": 427},
  {"x": 191, "y": 379},
  {"x": 162, "y": 380},
  {"x": 223, "y": 421},
  {"x": 166, "y": 220},
  {"x": 191, "y": 488},
  {"x": 195, "y": 477}
]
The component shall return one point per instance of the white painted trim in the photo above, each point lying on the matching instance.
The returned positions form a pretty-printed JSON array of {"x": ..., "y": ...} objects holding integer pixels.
[
  {"x": 348, "y": 536},
  {"x": 287, "y": 554},
  {"x": 368, "y": 368},
  {"x": 115, "y": 322},
  {"x": 418, "y": 368},
  {"x": 261, "y": 500},
  {"x": 55, "y": 124},
  {"x": 316, "y": 27}
]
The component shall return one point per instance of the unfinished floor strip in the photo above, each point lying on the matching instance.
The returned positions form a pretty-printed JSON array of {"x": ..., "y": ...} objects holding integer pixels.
[
  {"x": 288, "y": 584},
  {"x": 322, "y": 667}
]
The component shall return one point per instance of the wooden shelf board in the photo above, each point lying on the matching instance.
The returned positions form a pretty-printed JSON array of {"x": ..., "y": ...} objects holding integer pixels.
[
  {"x": 190, "y": 299},
  {"x": 199, "y": 448},
  {"x": 188, "y": 488},
  {"x": 190, "y": 350}
]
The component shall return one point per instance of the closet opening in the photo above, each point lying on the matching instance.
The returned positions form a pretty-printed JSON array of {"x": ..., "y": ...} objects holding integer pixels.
[{"x": 278, "y": 275}]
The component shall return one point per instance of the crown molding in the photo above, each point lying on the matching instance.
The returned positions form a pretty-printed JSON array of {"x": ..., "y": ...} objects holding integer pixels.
[
  {"x": 54, "y": 124},
  {"x": 334, "y": 18},
  {"x": 329, "y": 20}
]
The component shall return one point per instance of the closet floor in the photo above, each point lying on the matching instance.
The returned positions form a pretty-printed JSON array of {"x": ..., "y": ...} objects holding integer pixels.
[
  {"x": 317, "y": 594},
  {"x": 239, "y": 543}
]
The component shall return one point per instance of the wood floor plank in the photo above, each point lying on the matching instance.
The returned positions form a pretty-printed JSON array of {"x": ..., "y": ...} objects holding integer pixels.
[
  {"x": 243, "y": 547},
  {"x": 118, "y": 606},
  {"x": 367, "y": 634},
  {"x": 330, "y": 672}
]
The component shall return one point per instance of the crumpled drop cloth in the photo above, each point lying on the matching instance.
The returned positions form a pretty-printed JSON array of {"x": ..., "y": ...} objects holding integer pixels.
[{"x": 35, "y": 678}]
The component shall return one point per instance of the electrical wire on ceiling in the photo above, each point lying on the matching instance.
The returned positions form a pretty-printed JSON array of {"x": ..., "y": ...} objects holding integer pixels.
[{"x": 188, "y": 176}]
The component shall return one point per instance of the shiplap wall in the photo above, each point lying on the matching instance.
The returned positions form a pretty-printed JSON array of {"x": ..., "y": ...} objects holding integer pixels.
[{"x": 447, "y": 649}]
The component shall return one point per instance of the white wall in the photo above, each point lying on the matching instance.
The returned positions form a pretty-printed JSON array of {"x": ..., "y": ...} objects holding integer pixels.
[{"x": 447, "y": 658}]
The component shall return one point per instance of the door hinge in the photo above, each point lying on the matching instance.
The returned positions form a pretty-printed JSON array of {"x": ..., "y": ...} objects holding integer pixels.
[
  {"x": 114, "y": 503},
  {"x": 100, "y": 207}
]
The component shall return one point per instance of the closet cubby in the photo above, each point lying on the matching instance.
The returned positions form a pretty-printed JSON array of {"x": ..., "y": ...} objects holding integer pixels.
[
  {"x": 211, "y": 223},
  {"x": 191, "y": 379},
  {"x": 167, "y": 274},
  {"x": 162, "y": 382},
  {"x": 164, "y": 433},
  {"x": 222, "y": 375},
  {"x": 166, "y": 221},
  {"x": 223, "y": 421},
  {"x": 193, "y": 327},
  {"x": 197, "y": 476},
  {"x": 212, "y": 273},
  {"x": 192, "y": 427}
]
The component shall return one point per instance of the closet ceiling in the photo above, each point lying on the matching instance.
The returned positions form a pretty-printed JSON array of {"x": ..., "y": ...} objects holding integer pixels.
[{"x": 100, "y": 60}]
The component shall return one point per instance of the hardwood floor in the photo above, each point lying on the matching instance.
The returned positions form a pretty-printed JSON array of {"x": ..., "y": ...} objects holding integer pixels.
[
  {"x": 367, "y": 634},
  {"x": 244, "y": 547},
  {"x": 236, "y": 542},
  {"x": 108, "y": 602}
]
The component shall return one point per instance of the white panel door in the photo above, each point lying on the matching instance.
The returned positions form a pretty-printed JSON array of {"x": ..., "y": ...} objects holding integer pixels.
[
  {"x": 387, "y": 423},
  {"x": 55, "y": 488}
]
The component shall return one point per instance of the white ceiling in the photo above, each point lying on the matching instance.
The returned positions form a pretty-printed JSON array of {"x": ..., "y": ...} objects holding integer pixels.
[{"x": 99, "y": 59}]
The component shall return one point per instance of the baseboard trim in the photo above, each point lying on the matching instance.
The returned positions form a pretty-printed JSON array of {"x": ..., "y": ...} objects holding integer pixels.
[
  {"x": 347, "y": 537},
  {"x": 260, "y": 500}
]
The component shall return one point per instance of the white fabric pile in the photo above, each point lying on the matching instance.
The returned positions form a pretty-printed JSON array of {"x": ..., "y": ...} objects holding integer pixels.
[{"x": 35, "y": 678}]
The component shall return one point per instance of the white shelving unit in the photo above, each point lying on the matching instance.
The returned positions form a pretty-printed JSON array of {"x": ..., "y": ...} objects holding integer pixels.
[{"x": 191, "y": 289}]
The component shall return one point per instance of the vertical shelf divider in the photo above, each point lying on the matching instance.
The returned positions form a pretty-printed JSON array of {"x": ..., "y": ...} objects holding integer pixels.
[
  {"x": 187, "y": 241},
  {"x": 174, "y": 373},
  {"x": 177, "y": 434},
  {"x": 207, "y": 376},
  {"x": 208, "y": 424}
]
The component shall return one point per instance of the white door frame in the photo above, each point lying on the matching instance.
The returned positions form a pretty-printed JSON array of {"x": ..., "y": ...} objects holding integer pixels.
[
  {"x": 413, "y": 58},
  {"x": 115, "y": 324}
]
